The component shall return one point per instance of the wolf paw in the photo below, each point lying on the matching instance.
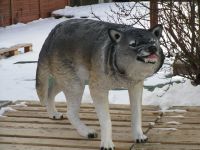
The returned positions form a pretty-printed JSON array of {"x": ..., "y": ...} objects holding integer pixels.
[
  {"x": 87, "y": 132},
  {"x": 107, "y": 145},
  {"x": 92, "y": 135},
  {"x": 56, "y": 116},
  {"x": 140, "y": 138},
  {"x": 103, "y": 148}
]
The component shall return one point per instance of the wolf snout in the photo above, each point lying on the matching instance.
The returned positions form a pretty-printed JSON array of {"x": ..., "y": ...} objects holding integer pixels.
[{"x": 152, "y": 49}]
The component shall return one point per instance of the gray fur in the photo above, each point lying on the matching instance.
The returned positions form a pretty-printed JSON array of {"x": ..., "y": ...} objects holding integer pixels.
[{"x": 107, "y": 56}]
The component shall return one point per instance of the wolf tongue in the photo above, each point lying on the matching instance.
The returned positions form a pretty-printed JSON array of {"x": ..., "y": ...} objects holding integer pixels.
[{"x": 152, "y": 56}]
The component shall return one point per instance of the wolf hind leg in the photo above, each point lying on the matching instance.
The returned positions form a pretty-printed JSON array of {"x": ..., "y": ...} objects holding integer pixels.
[
  {"x": 53, "y": 90},
  {"x": 73, "y": 95}
]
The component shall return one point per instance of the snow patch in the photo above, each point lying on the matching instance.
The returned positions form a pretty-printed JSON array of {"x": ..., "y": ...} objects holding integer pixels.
[
  {"x": 100, "y": 10},
  {"x": 173, "y": 123},
  {"x": 166, "y": 129},
  {"x": 21, "y": 104},
  {"x": 173, "y": 110},
  {"x": 6, "y": 109},
  {"x": 177, "y": 116},
  {"x": 152, "y": 124}
]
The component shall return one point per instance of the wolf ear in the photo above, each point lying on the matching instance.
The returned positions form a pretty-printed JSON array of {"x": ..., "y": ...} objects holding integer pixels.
[
  {"x": 157, "y": 30},
  {"x": 115, "y": 35}
]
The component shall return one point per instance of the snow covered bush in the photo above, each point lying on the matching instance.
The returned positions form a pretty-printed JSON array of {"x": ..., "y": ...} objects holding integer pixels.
[{"x": 182, "y": 36}]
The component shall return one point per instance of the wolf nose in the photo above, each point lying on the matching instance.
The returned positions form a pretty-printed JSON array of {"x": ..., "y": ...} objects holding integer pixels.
[{"x": 152, "y": 49}]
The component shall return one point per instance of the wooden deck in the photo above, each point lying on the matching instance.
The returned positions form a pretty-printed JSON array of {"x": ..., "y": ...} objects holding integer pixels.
[{"x": 29, "y": 128}]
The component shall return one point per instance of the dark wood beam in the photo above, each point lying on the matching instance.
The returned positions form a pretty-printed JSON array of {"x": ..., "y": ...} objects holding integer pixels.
[{"x": 153, "y": 12}]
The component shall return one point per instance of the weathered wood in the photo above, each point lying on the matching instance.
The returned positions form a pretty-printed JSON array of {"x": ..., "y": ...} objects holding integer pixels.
[
  {"x": 153, "y": 13},
  {"x": 148, "y": 146},
  {"x": 178, "y": 126},
  {"x": 172, "y": 136},
  {"x": 36, "y": 147},
  {"x": 181, "y": 119},
  {"x": 30, "y": 128},
  {"x": 59, "y": 122},
  {"x": 162, "y": 146},
  {"x": 189, "y": 109},
  {"x": 49, "y": 142},
  {"x": 3, "y": 50},
  {"x": 14, "y": 50},
  {"x": 89, "y": 105},
  {"x": 60, "y": 143},
  {"x": 84, "y": 116},
  {"x": 86, "y": 110},
  {"x": 57, "y": 133},
  {"x": 27, "y": 46}
]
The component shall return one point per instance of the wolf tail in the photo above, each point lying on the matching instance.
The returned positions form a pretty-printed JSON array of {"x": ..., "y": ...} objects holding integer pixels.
[{"x": 42, "y": 81}]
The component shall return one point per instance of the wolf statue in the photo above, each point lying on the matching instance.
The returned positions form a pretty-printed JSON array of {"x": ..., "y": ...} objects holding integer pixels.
[{"x": 107, "y": 56}]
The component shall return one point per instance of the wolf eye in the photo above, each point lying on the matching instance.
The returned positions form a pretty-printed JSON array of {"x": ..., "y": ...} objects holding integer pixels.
[
  {"x": 152, "y": 41},
  {"x": 133, "y": 44}
]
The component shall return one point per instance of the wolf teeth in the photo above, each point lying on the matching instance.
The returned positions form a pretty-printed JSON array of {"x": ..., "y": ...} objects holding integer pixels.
[{"x": 150, "y": 61}]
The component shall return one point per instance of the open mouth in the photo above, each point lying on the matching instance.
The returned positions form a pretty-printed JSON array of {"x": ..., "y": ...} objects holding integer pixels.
[{"x": 151, "y": 59}]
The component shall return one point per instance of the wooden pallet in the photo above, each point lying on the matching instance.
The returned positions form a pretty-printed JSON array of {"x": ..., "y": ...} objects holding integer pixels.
[
  {"x": 14, "y": 50},
  {"x": 30, "y": 128}
]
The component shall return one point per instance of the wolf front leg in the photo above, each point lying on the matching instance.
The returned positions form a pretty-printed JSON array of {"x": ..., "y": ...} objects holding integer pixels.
[
  {"x": 135, "y": 94},
  {"x": 100, "y": 98}
]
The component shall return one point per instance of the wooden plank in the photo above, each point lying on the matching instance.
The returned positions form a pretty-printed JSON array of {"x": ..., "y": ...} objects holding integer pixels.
[
  {"x": 147, "y": 146},
  {"x": 171, "y": 136},
  {"x": 185, "y": 114},
  {"x": 12, "y": 120},
  {"x": 118, "y": 129},
  {"x": 88, "y": 116},
  {"x": 178, "y": 126},
  {"x": 3, "y": 50},
  {"x": 187, "y": 108},
  {"x": 50, "y": 142},
  {"x": 36, "y": 147},
  {"x": 126, "y": 129},
  {"x": 60, "y": 143},
  {"x": 85, "y": 110},
  {"x": 160, "y": 146},
  {"x": 180, "y": 119},
  {"x": 13, "y": 52},
  {"x": 22, "y": 45},
  {"x": 28, "y": 49},
  {"x": 36, "y": 103},
  {"x": 41, "y": 133}
]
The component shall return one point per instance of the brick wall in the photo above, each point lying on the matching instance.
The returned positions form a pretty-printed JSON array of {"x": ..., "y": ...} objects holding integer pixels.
[
  {"x": 4, "y": 12},
  {"x": 14, "y": 11}
]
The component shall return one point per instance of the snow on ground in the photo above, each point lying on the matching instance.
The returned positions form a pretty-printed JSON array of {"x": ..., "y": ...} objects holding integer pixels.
[
  {"x": 104, "y": 11},
  {"x": 17, "y": 81},
  {"x": 5, "y": 109}
]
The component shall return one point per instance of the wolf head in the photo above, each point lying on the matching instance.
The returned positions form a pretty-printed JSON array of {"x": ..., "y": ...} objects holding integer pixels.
[{"x": 136, "y": 50}]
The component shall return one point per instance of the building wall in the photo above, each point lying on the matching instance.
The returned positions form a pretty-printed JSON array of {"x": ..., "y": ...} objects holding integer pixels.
[
  {"x": 14, "y": 11},
  {"x": 82, "y": 2}
]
